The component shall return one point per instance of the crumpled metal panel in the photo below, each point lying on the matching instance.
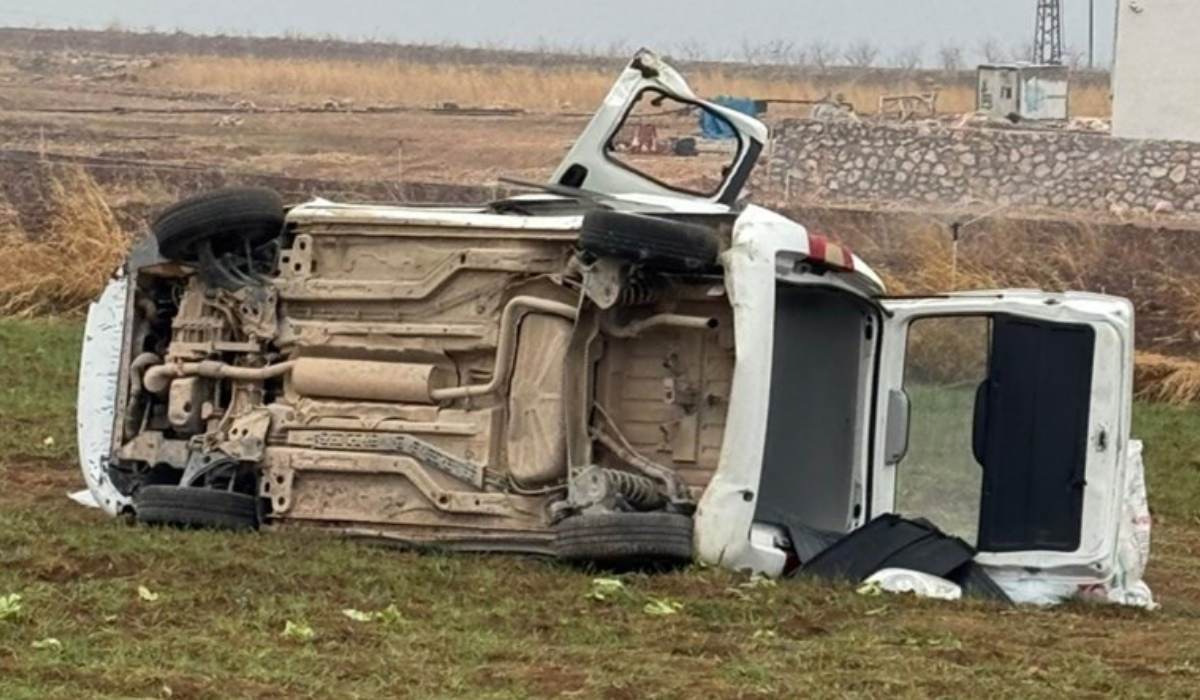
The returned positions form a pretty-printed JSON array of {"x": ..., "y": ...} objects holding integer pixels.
[{"x": 99, "y": 371}]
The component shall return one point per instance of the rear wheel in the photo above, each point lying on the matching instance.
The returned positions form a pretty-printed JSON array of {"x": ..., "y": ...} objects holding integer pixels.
[
  {"x": 655, "y": 540},
  {"x": 191, "y": 507},
  {"x": 226, "y": 219},
  {"x": 649, "y": 241}
]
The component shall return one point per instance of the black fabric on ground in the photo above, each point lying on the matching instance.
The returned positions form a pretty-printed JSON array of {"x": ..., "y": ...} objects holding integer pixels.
[
  {"x": 867, "y": 549},
  {"x": 807, "y": 542},
  {"x": 934, "y": 553},
  {"x": 976, "y": 583},
  {"x": 891, "y": 541}
]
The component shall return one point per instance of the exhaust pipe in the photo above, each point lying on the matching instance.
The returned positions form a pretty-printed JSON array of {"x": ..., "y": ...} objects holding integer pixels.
[
  {"x": 506, "y": 347},
  {"x": 636, "y": 328},
  {"x": 158, "y": 379}
]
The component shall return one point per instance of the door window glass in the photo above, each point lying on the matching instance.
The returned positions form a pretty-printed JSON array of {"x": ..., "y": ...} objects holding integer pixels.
[
  {"x": 678, "y": 144},
  {"x": 939, "y": 478}
]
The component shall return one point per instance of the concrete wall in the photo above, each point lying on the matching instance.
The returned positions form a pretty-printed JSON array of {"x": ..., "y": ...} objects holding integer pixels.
[
  {"x": 1156, "y": 81},
  {"x": 935, "y": 167}
]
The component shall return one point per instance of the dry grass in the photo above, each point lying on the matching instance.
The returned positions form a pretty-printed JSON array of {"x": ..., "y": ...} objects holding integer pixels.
[
  {"x": 924, "y": 259},
  {"x": 65, "y": 267},
  {"x": 1172, "y": 380},
  {"x": 535, "y": 89}
]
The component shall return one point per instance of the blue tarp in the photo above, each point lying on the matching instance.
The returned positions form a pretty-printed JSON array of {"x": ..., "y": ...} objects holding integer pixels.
[{"x": 713, "y": 127}]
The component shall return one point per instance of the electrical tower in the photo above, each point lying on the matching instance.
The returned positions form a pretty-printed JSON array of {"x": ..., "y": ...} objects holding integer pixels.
[{"x": 1048, "y": 36}]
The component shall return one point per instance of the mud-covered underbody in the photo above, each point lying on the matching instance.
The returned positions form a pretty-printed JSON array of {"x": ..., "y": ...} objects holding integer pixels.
[{"x": 433, "y": 384}]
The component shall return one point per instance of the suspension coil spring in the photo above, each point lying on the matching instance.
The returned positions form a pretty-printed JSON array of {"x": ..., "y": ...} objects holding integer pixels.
[
  {"x": 641, "y": 492},
  {"x": 640, "y": 292}
]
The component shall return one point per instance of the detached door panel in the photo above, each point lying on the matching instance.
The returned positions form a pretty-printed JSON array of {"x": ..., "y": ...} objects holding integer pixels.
[
  {"x": 1048, "y": 433},
  {"x": 1033, "y": 425}
]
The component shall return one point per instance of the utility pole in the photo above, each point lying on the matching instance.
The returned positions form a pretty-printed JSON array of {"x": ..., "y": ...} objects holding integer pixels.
[
  {"x": 1091, "y": 34},
  {"x": 1048, "y": 34}
]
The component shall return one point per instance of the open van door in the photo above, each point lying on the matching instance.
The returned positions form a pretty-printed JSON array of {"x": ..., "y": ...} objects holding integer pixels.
[
  {"x": 1004, "y": 418},
  {"x": 645, "y": 139}
]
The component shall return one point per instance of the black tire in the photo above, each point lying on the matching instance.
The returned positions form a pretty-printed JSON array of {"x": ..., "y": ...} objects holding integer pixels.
[
  {"x": 622, "y": 541},
  {"x": 195, "y": 508},
  {"x": 227, "y": 217},
  {"x": 649, "y": 241}
]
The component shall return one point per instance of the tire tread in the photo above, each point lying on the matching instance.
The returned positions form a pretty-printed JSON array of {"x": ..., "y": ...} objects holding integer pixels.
[
  {"x": 650, "y": 241},
  {"x": 196, "y": 507},
  {"x": 230, "y": 214}
]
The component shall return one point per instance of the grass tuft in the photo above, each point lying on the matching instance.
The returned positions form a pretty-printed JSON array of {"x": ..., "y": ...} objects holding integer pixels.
[
  {"x": 64, "y": 268},
  {"x": 1170, "y": 380}
]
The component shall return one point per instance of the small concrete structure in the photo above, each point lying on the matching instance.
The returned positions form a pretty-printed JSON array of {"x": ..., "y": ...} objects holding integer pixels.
[
  {"x": 1026, "y": 90},
  {"x": 1156, "y": 80}
]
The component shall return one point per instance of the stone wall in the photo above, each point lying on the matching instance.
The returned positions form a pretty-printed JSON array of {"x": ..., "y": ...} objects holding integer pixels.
[{"x": 940, "y": 167}]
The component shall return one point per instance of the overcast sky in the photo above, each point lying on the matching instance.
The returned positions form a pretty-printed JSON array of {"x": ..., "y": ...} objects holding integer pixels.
[{"x": 723, "y": 27}]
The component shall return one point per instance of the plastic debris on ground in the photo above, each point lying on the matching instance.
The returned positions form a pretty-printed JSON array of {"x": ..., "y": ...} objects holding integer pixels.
[{"x": 921, "y": 584}]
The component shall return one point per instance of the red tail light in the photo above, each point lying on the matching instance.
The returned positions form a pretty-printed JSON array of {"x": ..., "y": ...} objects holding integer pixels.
[{"x": 832, "y": 254}]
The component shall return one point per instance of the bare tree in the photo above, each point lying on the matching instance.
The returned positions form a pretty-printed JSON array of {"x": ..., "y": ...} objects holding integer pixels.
[
  {"x": 991, "y": 50},
  {"x": 822, "y": 54},
  {"x": 801, "y": 56},
  {"x": 691, "y": 51},
  {"x": 1075, "y": 58},
  {"x": 908, "y": 58},
  {"x": 1021, "y": 51},
  {"x": 618, "y": 48},
  {"x": 950, "y": 58},
  {"x": 779, "y": 52},
  {"x": 861, "y": 54},
  {"x": 751, "y": 52}
]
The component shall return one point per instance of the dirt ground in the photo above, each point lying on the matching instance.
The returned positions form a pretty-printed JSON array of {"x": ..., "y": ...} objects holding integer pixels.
[{"x": 394, "y": 147}]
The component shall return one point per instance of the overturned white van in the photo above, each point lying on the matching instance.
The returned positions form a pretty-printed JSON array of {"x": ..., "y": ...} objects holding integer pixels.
[{"x": 629, "y": 367}]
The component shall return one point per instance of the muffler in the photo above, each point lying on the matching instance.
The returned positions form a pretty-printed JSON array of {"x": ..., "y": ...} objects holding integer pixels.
[{"x": 395, "y": 382}]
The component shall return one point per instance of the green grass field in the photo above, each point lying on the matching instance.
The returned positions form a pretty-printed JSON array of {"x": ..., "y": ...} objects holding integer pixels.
[{"x": 210, "y": 620}]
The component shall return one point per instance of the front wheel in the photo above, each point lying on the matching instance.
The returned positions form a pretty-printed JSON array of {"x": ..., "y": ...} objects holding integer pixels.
[
  {"x": 656, "y": 540},
  {"x": 225, "y": 219},
  {"x": 191, "y": 507}
]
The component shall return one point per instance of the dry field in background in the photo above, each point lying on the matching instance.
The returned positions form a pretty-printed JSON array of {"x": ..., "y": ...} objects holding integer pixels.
[{"x": 574, "y": 88}]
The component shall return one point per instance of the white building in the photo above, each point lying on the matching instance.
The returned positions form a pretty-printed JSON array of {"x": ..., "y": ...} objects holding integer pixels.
[{"x": 1156, "y": 80}]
